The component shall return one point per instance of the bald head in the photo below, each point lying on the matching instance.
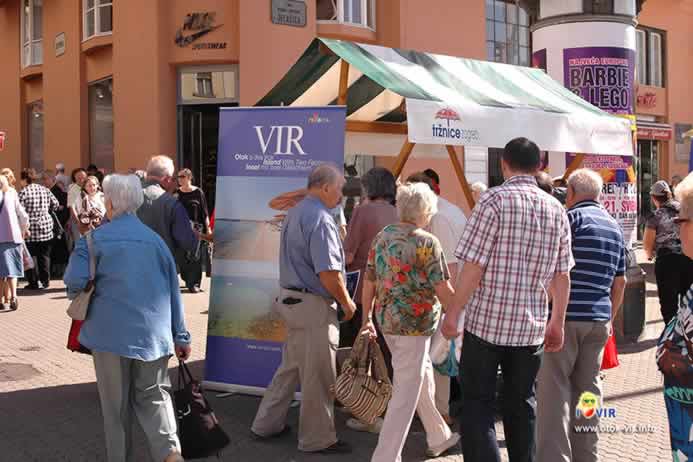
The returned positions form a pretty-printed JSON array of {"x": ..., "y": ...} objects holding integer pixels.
[
  {"x": 326, "y": 182},
  {"x": 322, "y": 175}
]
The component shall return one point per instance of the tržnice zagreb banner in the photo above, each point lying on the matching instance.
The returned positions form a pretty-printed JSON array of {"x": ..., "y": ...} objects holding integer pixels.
[{"x": 265, "y": 156}]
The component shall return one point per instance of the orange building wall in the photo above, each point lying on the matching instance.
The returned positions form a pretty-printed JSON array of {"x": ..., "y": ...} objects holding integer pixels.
[
  {"x": 675, "y": 17},
  {"x": 10, "y": 88}
]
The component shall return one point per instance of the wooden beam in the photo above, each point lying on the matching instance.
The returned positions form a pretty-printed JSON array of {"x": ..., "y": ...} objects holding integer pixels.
[
  {"x": 343, "y": 83},
  {"x": 390, "y": 128},
  {"x": 459, "y": 171},
  {"x": 574, "y": 165},
  {"x": 402, "y": 158}
]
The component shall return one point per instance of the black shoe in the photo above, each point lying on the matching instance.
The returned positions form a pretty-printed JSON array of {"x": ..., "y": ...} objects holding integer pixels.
[
  {"x": 14, "y": 304},
  {"x": 193, "y": 290},
  {"x": 46, "y": 285},
  {"x": 284, "y": 431},
  {"x": 31, "y": 287},
  {"x": 340, "y": 447}
]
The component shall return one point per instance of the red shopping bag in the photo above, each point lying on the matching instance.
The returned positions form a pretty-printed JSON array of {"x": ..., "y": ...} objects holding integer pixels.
[
  {"x": 610, "y": 359},
  {"x": 73, "y": 338}
]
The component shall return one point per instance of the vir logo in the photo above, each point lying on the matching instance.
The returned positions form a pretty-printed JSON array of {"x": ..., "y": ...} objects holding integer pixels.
[
  {"x": 200, "y": 24},
  {"x": 287, "y": 136}
]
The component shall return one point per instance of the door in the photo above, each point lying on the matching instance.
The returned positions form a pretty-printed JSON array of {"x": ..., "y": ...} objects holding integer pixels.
[
  {"x": 198, "y": 142},
  {"x": 648, "y": 174}
]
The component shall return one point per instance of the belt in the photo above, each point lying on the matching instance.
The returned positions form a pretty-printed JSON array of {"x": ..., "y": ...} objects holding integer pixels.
[{"x": 296, "y": 289}]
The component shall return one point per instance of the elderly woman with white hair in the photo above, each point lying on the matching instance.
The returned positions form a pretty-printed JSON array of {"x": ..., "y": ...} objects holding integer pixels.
[
  {"x": 406, "y": 280},
  {"x": 134, "y": 324},
  {"x": 673, "y": 348}
]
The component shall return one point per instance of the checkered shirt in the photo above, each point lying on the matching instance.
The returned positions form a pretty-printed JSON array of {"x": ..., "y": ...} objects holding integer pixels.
[
  {"x": 38, "y": 201},
  {"x": 521, "y": 237}
]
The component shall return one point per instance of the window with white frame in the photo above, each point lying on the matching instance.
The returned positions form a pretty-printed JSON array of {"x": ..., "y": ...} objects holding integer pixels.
[
  {"x": 32, "y": 32},
  {"x": 352, "y": 12},
  {"x": 507, "y": 32},
  {"x": 650, "y": 57},
  {"x": 98, "y": 17}
]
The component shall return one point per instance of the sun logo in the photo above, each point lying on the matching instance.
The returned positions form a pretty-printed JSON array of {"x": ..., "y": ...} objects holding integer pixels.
[{"x": 587, "y": 405}]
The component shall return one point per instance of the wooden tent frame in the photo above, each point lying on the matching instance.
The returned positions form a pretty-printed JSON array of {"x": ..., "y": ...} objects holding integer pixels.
[{"x": 407, "y": 148}]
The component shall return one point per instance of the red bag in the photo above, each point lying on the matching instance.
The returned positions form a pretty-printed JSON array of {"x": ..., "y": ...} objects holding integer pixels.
[
  {"x": 610, "y": 359},
  {"x": 73, "y": 338}
]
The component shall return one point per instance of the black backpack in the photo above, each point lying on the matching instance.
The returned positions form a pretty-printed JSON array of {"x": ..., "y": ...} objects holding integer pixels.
[{"x": 198, "y": 428}]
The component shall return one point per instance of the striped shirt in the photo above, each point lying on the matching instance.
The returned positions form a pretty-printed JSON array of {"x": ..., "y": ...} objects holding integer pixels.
[
  {"x": 600, "y": 255},
  {"x": 521, "y": 237}
]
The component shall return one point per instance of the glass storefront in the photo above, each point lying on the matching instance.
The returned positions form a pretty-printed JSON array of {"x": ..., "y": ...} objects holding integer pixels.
[
  {"x": 101, "y": 124},
  {"x": 647, "y": 162}
]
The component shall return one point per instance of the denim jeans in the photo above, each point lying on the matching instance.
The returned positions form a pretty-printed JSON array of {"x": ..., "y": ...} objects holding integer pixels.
[{"x": 519, "y": 366}]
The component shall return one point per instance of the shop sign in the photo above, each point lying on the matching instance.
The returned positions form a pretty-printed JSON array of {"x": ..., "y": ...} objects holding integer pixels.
[
  {"x": 3, "y": 135},
  {"x": 196, "y": 26},
  {"x": 60, "y": 44},
  {"x": 648, "y": 99},
  {"x": 601, "y": 75},
  {"x": 289, "y": 12},
  {"x": 647, "y": 133}
]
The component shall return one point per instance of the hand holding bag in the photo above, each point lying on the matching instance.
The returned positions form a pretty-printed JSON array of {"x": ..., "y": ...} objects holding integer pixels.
[
  {"x": 610, "y": 358},
  {"x": 80, "y": 304},
  {"x": 198, "y": 428},
  {"x": 365, "y": 395}
]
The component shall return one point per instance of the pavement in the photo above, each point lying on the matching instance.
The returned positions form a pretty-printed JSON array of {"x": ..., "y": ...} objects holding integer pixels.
[{"x": 49, "y": 407}]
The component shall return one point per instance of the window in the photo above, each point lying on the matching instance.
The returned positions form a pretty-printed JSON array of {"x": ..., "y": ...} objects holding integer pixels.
[
  {"x": 507, "y": 32},
  {"x": 353, "y": 12},
  {"x": 98, "y": 18},
  {"x": 35, "y": 140},
  {"x": 599, "y": 6},
  {"x": 101, "y": 123},
  {"x": 32, "y": 32},
  {"x": 650, "y": 60},
  {"x": 204, "y": 85}
]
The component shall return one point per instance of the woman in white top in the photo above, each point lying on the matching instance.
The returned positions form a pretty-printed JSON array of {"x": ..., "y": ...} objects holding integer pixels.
[
  {"x": 14, "y": 226},
  {"x": 90, "y": 209}
]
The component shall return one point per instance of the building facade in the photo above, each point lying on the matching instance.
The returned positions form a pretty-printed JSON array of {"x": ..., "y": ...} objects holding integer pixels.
[{"x": 112, "y": 83}]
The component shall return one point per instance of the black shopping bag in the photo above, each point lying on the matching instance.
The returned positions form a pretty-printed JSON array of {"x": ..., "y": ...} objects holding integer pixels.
[{"x": 198, "y": 428}]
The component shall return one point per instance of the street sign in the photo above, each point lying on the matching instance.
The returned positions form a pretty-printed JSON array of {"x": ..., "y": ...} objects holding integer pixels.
[{"x": 289, "y": 12}]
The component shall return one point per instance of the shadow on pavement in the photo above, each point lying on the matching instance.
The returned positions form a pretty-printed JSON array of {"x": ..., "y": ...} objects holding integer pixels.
[
  {"x": 631, "y": 348},
  {"x": 65, "y": 423}
]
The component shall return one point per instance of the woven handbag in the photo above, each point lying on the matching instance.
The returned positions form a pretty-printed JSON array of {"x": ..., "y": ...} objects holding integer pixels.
[
  {"x": 364, "y": 394},
  {"x": 80, "y": 304}
]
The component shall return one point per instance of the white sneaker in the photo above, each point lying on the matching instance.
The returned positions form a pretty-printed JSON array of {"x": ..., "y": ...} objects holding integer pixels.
[
  {"x": 357, "y": 425},
  {"x": 437, "y": 451}
]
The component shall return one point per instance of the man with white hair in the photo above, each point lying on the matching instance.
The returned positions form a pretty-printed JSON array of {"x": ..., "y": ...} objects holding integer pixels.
[
  {"x": 311, "y": 276},
  {"x": 162, "y": 212},
  {"x": 597, "y": 286},
  {"x": 60, "y": 178}
]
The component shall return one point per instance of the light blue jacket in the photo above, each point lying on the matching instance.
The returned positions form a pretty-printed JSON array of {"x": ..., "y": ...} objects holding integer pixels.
[{"x": 136, "y": 309}]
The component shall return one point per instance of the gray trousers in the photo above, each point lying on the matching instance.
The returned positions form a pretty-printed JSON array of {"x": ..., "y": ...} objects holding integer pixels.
[
  {"x": 563, "y": 377},
  {"x": 128, "y": 386},
  {"x": 308, "y": 359}
]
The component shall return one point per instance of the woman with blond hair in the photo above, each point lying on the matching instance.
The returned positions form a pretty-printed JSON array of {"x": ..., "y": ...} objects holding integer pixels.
[
  {"x": 406, "y": 280},
  {"x": 14, "y": 224},
  {"x": 90, "y": 209},
  {"x": 9, "y": 174}
]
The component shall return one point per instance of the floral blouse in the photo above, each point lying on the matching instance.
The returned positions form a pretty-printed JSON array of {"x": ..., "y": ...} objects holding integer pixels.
[{"x": 405, "y": 263}]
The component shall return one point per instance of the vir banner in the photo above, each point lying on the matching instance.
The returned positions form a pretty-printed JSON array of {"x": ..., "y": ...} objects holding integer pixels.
[
  {"x": 265, "y": 155},
  {"x": 620, "y": 194}
]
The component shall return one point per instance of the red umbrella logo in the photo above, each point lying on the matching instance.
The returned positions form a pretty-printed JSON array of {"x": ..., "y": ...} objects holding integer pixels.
[{"x": 447, "y": 114}]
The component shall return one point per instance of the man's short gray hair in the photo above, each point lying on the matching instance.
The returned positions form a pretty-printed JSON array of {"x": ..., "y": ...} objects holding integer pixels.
[
  {"x": 586, "y": 183},
  {"x": 684, "y": 194},
  {"x": 323, "y": 174},
  {"x": 416, "y": 201},
  {"x": 160, "y": 167},
  {"x": 124, "y": 192}
]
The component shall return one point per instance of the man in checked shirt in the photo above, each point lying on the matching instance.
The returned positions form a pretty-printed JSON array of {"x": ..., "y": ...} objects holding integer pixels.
[{"x": 515, "y": 248}]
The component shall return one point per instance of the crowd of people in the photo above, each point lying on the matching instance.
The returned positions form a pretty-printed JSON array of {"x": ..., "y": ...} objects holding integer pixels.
[{"x": 538, "y": 270}]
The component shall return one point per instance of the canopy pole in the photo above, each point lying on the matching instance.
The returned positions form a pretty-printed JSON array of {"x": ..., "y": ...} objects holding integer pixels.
[
  {"x": 574, "y": 165},
  {"x": 459, "y": 171},
  {"x": 402, "y": 158},
  {"x": 343, "y": 83}
]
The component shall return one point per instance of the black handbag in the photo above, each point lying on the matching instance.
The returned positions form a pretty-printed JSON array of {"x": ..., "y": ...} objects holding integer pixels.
[{"x": 198, "y": 428}]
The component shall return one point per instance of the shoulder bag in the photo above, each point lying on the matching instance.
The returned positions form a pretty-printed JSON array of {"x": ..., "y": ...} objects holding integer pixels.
[
  {"x": 80, "y": 304},
  {"x": 198, "y": 428},
  {"x": 672, "y": 358},
  {"x": 364, "y": 394}
]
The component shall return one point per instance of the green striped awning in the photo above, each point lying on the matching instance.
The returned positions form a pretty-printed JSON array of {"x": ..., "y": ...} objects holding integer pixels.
[{"x": 450, "y": 100}]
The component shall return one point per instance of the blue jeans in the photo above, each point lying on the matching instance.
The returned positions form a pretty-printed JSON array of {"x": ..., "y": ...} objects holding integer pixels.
[{"x": 519, "y": 365}]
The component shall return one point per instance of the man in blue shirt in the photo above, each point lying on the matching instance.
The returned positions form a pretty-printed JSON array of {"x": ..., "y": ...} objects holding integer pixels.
[
  {"x": 596, "y": 293},
  {"x": 311, "y": 275}
]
